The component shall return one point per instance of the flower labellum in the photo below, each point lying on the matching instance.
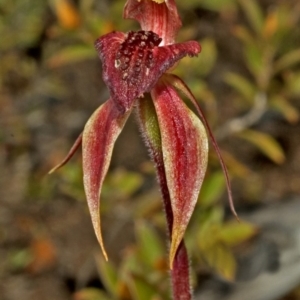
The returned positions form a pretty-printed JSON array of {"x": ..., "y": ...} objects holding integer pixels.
[{"x": 133, "y": 63}]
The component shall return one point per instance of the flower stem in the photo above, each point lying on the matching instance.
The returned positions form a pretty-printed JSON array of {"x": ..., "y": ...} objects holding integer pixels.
[{"x": 180, "y": 277}]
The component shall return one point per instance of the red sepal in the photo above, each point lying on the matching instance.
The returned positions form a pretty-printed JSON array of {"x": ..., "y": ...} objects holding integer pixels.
[
  {"x": 98, "y": 139},
  {"x": 185, "y": 152},
  {"x": 161, "y": 18}
]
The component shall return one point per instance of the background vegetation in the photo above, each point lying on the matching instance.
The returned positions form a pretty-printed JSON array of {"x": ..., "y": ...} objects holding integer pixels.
[{"x": 247, "y": 80}]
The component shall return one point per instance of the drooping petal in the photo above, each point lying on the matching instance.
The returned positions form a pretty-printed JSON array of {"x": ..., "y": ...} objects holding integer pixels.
[
  {"x": 69, "y": 155},
  {"x": 161, "y": 18},
  {"x": 99, "y": 136},
  {"x": 181, "y": 86},
  {"x": 185, "y": 151},
  {"x": 133, "y": 63}
]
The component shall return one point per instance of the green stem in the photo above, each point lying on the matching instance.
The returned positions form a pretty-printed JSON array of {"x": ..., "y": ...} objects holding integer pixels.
[{"x": 180, "y": 276}]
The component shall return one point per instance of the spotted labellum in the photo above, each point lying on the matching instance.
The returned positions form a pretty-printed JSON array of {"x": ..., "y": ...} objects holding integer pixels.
[{"x": 136, "y": 69}]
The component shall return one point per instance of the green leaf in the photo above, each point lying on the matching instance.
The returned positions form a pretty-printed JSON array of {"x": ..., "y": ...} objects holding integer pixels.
[
  {"x": 150, "y": 247},
  {"x": 285, "y": 108},
  {"x": 147, "y": 204},
  {"x": 215, "y": 5},
  {"x": 70, "y": 182},
  {"x": 237, "y": 168},
  {"x": 212, "y": 189},
  {"x": 140, "y": 288},
  {"x": 214, "y": 216},
  {"x": 19, "y": 259},
  {"x": 90, "y": 294},
  {"x": 130, "y": 262},
  {"x": 293, "y": 84},
  {"x": 223, "y": 261},
  {"x": 208, "y": 57},
  {"x": 21, "y": 23},
  {"x": 254, "y": 58},
  {"x": 128, "y": 182},
  {"x": 234, "y": 233},
  {"x": 220, "y": 258},
  {"x": 71, "y": 54},
  {"x": 201, "y": 65},
  {"x": 288, "y": 60},
  {"x": 265, "y": 143},
  {"x": 254, "y": 14},
  {"x": 108, "y": 275},
  {"x": 122, "y": 183},
  {"x": 242, "y": 85},
  {"x": 244, "y": 35}
]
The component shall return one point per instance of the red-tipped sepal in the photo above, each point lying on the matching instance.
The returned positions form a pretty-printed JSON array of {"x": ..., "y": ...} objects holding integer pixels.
[
  {"x": 69, "y": 155},
  {"x": 181, "y": 86},
  {"x": 161, "y": 18},
  {"x": 99, "y": 136},
  {"x": 185, "y": 152}
]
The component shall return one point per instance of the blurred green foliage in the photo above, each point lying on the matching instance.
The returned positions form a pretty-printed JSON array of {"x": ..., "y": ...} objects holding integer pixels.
[{"x": 267, "y": 80}]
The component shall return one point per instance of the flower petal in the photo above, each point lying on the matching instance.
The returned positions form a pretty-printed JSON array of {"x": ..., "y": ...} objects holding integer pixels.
[
  {"x": 132, "y": 63},
  {"x": 185, "y": 151},
  {"x": 107, "y": 47},
  {"x": 99, "y": 136},
  {"x": 69, "y": 155},
  {"x": 165, "y": 57},
  {"x": 161, "y": 18}
]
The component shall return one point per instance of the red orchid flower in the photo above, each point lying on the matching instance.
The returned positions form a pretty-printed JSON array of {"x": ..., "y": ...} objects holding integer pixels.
[{"x": 135, "y": 66}]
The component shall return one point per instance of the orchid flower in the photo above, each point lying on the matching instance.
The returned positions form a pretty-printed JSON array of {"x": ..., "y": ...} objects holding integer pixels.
[{"x": 136, "y": 69}]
